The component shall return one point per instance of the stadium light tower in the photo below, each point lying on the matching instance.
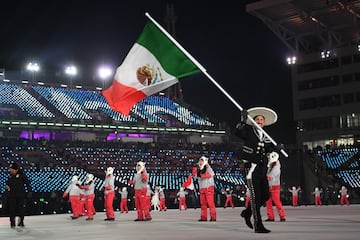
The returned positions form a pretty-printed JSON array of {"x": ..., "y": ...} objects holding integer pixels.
[
  {"x": 33, "y": 68},
  {"x": 71, "y": 71},
  {"x": 104, "y": 73}
]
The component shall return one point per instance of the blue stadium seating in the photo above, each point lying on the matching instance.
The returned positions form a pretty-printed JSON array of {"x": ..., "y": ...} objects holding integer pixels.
[{"x": 78, "y": 104}]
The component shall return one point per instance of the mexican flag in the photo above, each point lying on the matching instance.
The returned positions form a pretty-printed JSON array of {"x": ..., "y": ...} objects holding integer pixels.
[{"x": 153, "y": 64}]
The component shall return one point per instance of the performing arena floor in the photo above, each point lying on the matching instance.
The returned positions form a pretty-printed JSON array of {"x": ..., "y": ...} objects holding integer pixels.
[{"x": 304, "y": 222}]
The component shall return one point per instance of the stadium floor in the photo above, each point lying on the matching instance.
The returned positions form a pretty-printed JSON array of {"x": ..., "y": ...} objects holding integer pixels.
[{"x": 304, "y": 222}]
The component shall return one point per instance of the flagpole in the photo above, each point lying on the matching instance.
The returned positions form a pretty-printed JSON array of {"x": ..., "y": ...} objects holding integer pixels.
[{"x": 211, "y": 79}]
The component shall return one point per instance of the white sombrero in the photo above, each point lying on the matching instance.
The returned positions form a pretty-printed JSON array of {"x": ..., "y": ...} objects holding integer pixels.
[{"x": 269, "y": 115}]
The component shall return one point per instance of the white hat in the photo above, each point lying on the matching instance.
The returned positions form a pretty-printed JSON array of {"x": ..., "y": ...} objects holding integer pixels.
[
  {"x": 124, "y": 189},
  {"x": 74, "y": 178},
  {"x": 89, "y": 177},
  {"x": 109, "y": 170},
  {"x": 205, "y": 159},
  {"x": 269, "y": 115},
  {"x": 142, "y": 166}
]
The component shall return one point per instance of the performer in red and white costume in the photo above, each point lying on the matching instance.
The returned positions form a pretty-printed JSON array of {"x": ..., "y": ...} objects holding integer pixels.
[
  {"x": 140, "y": 182},
  {"x": 155, "y": 200},
  {"x": 317, "y": 194},
  {"x": 162, "y": 199},
  {"x": 109, "y": 194},
  {"x": 89, "y": 188},
  {"x": 295, "y": 195},
  {"x": 205, "y": 175},
  {"x": 344, "y": 196},
  {"x": 73, "y": 191},
  {"x": 273, "y": 176},
  {"x": 182, "y": 198},
  {"x": 228, "y": 194},
  {"x": 123, "y": 200}
]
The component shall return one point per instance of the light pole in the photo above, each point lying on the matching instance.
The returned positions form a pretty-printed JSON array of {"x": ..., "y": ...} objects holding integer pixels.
[
  {"x": 71, "y": 71},
  {"x": 104, "y": 73},
  {"x": 32, "y": 68}
]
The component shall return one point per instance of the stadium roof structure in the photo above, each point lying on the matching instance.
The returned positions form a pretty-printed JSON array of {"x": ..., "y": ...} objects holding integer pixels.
[{"x": 310, "y": 25}]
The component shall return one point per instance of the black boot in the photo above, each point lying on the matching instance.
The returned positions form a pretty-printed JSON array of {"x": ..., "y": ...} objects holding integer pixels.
[
  {"x": 21, "y": 224},
  {"x": 12, "y": 222},
  {"x": 246, "y": 214},
  {"x": 259, "y": 228}
]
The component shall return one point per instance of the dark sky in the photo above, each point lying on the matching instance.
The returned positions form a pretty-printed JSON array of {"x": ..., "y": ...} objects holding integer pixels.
[{"x": 236, "y": 48}]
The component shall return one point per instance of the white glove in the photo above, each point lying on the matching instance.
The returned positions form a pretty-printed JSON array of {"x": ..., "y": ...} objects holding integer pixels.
[
  {"x": 272, "y": 157},
  {"x": 251, "y": 170}
]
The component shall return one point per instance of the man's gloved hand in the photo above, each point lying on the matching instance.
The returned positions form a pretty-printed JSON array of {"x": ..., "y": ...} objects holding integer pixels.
[
  {"x": 244, "y": 116},
  {"x": 279, "y": 147}
]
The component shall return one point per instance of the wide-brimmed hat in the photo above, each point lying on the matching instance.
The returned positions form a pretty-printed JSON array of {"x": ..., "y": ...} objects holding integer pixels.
[{"x": 269, "y": 115}]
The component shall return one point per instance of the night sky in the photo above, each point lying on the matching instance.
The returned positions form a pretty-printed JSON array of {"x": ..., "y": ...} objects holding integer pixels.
[{"x": 236, "y": 48}]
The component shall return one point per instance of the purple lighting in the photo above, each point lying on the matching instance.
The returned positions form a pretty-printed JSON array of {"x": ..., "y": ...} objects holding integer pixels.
[
  {"x": 35, "y": 135},
  {"x": 112, "y": 136},
  {"x": 135, "y": 135}
]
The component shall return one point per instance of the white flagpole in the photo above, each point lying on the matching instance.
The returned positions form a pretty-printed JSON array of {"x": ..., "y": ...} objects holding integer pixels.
[{"x": 211, "y": 79}]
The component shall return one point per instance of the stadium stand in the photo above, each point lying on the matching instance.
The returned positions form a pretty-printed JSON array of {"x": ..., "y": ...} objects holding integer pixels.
[
  {"x": 344, "y": 164},
  {"x": 77, "y": 104}
]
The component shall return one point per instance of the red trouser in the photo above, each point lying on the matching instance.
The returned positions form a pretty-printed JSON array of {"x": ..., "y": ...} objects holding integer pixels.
[
  {"x": 142, "y": 207},
  {"x": 89, "y": 205},
  {"x": 75, "y": 205},
  {"x": 108, "y": 200},
  {"x": 318, "y": 201},
  {"x": 247, "y": 201},
  {"x": 295, "y": 200},
  {"x": 182, "y": 202},
  {"x": 162, "y": 204},
  {"x": 274, "y": 197},
  {"x": 229, "y": 200},
  {"x": 207, "y": 200},
  {"x": 123, "y": 205},
  {"x": 344, "y": 200}
]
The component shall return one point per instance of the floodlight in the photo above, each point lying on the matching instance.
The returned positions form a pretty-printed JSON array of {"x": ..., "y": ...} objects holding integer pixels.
[
  {"x": 33, "y": 67},
  {"x": 291, "y": 60},
  {"x": 325, "y": 54},
  {"x": 104, "y": 72},
  {"x": 71, "y": 70}
]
